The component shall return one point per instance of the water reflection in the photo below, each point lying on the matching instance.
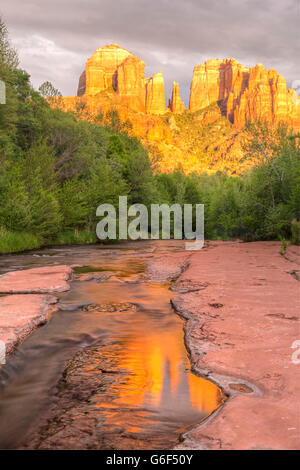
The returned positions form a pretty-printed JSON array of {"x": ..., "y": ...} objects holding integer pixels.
[
  {"x": 163, "y": 380},
  {"x": 132, "y": 374},
  {"x": 157, "y": 394}
]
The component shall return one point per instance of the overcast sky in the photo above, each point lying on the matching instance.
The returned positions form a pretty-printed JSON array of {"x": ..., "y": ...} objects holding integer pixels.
[{"x": 55, "y": 37}]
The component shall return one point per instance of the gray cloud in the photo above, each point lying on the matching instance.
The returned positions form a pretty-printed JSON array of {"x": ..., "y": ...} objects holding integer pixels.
[{"x": 55, "y": 38}]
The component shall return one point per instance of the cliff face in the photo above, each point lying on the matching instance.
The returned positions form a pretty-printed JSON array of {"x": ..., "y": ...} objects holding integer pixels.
[
  {"x": 214, "y": 80},
  {"x": 244, "y": 94},
  {"x": 176, "y": 104},
  {"x": 130, "y": 77},
  {"x": 114, "y": 67},
  {"x": 206, "y": 138},
  {"x": 155, "y": 94},
  {"x": 265, "y": 98},
  {"x": 100, "y": 69}
]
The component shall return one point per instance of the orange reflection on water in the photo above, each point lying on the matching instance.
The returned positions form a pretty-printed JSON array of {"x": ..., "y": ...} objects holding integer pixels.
[{"x": 158, "y": 378}]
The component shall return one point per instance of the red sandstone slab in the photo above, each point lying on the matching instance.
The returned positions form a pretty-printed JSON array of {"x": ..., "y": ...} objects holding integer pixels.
[
  {"x": 240, "y": 330},
  {"x": 168, "y": 267},
  {"x": 48, "y": 279},
  {"x": 21, "y": 314}
]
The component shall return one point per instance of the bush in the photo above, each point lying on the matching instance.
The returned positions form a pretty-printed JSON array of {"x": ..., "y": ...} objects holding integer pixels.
[
  {"x": 11, "y": 242},
  {"x": 295, "y": 229},
  {"x": 75, "y": 237}
]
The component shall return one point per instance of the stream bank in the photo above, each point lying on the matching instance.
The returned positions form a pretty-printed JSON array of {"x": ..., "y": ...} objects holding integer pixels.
[
  {"x": 240, "y": 303},
  {"x": 109, "y": 370}
]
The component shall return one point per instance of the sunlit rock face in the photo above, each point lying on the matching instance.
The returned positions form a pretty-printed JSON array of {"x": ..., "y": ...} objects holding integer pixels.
[
  {"x": 114, "y": 68},
  {"x": 131, "y": 87},
  {"x": 244, "y": 94},
  {"x": 207, "y": 137},
  {"x": 266, "y": 98},
  {"x": 101, "y": 68},
  {"x": 214, "y": 80},
  {"x": 176, "y": 104},
  {"x": 155, "y": 94}
]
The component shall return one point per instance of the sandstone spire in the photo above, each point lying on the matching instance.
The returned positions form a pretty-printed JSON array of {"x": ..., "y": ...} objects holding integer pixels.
[
  {"x": 155, "y": 94},
  {"x": 131, "y": 83},
  {"x": 176, "y": 104}
]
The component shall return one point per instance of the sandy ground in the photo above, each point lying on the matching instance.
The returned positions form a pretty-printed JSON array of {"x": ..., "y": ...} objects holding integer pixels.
[
  {"x": 241, "y": 302},
  {"x": 27, "y": 307}
]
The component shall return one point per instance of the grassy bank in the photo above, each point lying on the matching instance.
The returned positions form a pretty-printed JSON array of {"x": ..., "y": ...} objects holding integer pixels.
[
  {"x": 13, "y": 242},
  {"x": 16, "y": 242}
]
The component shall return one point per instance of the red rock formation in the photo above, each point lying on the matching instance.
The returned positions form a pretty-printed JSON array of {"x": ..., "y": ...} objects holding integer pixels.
[
  {"x": 81, "y": 84},
  {"x": 201, "y": 141},
  {"x": 244, "y": 94},
  {"x": 266, "y": 98},
  {"x": 100, "y": 69},
  {"x": 176, "y": 104},
  {"x": 155, "y": 94},
  {"x": 131, "y": 83},
  {"x": 214, "y": 80},
  {"x": 113, "y": 68}
]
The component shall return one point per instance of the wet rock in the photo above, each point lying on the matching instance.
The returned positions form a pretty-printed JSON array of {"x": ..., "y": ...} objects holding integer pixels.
[
  {"x": 185, "y": 285},
  {"x": 70, "y": 306},
  {"x": 21, "y": 314},
  {"x": 109, "y": 307},
  {"x": 167, "y": 268},
  {"x": 240, "y": 388},
  {"x": 48, "y": 279},
  {"x": 98, "y": 277}
]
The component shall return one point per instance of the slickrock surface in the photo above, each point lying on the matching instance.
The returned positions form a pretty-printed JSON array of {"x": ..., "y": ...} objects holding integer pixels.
[
  {"x": 21, "y": 314},
  {"x": 48, "y": 279},
  {"x": 27, "y": 308},
  {"x": 168, "y": 268},
  {"x": 243, "y": 312}
]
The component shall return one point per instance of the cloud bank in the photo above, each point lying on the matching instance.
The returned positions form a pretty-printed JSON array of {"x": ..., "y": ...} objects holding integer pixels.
[{"x": 55, "y": 38}]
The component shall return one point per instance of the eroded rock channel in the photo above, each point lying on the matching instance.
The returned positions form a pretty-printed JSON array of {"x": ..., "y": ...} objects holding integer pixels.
[{"x": 110, "y": 369}]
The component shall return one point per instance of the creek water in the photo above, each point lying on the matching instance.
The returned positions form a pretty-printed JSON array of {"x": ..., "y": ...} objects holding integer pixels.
[{"x": 110, "y": 369}]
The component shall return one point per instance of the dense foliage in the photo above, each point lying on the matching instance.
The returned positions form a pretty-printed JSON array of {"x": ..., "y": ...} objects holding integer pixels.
[
  {"x": 259, "y": 205},
  {"x": 56, "y": 169}
]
